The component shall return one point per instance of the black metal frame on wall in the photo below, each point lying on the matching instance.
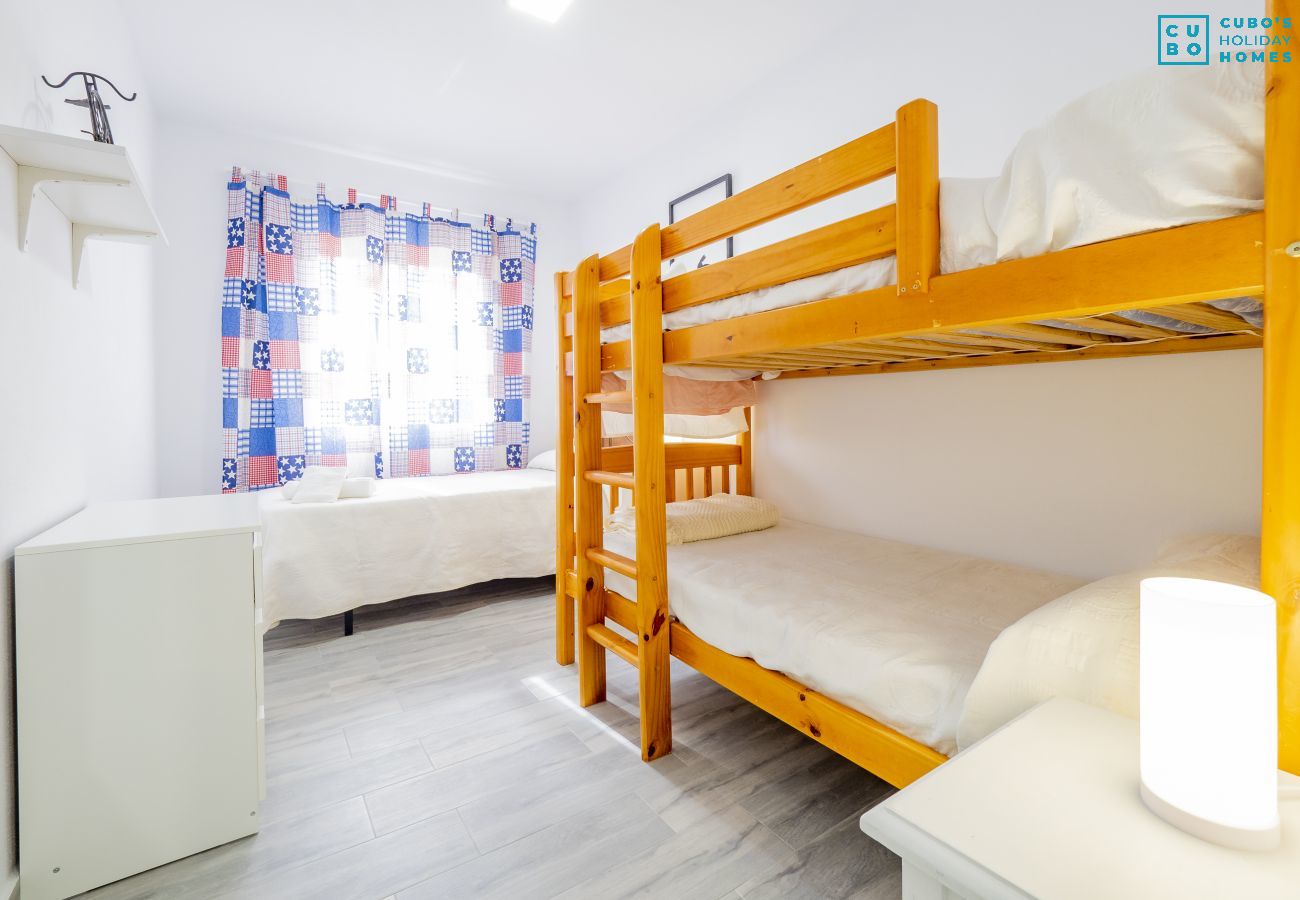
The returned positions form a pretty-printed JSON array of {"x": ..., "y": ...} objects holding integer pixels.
[{"x": 725, "y": 181}]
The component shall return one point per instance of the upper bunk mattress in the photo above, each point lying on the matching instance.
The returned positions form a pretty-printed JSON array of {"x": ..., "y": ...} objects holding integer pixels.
[
  {"x": 413, "y": 536},
  {"x": 892, "y": 630},
  {"x": 1153, "y": 151}
]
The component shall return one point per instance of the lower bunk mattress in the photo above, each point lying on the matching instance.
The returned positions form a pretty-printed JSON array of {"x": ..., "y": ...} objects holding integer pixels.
[
  {"x": 892, "y": 630},
  {"x": 412, "y": 536}
]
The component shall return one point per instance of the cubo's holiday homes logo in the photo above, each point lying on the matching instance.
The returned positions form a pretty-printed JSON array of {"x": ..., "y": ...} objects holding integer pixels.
[
  {"x": 1187, "y": 41},
  {"x": 1184, "y": 40}
]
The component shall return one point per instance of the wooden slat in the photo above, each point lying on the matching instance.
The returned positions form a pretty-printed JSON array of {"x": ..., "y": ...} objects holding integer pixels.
[
  {"x": 1205, "y": 316},
  {"x": 588, "y": 498},
  {"x": 935, "y": 348},
  {"x": 1113, "y": 325},
  {"x": 847, "y": 243},
  {"x": 861, "y": 739},
  {"x": 615, "y": 303},
  {"x": 613, "y": 641},
  {"x": 1209, "y": 260},
  {"x": 604, "y": 397},
  {"x": 761, "y": 363},
  {"x": 1098, "y": 351},
  {"x": 611, "y": 560},
  {"x": 613, "y": 479},
  {"x": 902, "y": 349},
  {"x": 917, "y": 187},
  {"x": 708, "y": 481},
  {"x": 677, "y": 456},
  {"x": 860, "y": 161},
  {"x": 564, "y": 626},
  {"x": 621, "y": 610},
  {"x": 962, "y": 342},
  {"x": 610, "y": 290},
  {"x": 726, "y": 479},
  {"x": 1280, "y": 532},
  {"x": 1051, "y": 335},
  {"x": 571, "y": 582},
  {"x": 849, "y": 352}
]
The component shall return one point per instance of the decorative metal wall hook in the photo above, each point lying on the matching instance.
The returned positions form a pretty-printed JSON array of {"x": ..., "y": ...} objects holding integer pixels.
[{"x": 101, "y": 131}]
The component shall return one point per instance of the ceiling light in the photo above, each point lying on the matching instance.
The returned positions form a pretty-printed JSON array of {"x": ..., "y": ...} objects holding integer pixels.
[{"x": 546, "y": 10}]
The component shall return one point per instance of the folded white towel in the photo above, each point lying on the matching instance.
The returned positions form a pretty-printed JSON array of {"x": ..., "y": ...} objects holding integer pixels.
[
  {"x": 319, "y": 484},
  {"x": 354, "y": 488},
  {"x": 705, "y": 518}
]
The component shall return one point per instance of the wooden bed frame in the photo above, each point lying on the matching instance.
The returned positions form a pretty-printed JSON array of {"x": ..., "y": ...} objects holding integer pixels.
[{"x": 923, "y": 322}]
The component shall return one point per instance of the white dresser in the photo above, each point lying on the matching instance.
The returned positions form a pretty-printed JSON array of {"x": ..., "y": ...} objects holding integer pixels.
[{"x": 139, "y": 680}]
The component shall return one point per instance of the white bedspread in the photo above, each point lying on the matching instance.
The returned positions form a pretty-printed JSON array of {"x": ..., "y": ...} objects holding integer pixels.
[
  {"x": 413, "y": 536},
  {"x": 1152, "y": 151},
  {"x": 892, "y": 630}
]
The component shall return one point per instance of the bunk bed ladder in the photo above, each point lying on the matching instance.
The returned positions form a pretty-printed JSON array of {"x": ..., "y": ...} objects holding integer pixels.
[{"x": 649, "y": 651}]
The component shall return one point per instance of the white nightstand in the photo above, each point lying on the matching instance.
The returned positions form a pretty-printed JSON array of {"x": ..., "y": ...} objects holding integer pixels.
[{"x": 1048, "y": 808}]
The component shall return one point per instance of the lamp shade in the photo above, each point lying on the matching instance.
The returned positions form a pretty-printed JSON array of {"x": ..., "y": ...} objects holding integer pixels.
[{"x": 1208, "y": 714}]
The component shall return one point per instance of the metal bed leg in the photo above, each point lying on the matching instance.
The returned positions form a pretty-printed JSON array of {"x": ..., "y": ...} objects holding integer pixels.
[{"x": 347, "y": 623}]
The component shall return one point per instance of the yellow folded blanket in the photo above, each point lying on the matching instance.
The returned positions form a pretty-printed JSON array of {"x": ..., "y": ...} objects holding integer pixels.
[{"x": 705, "y": 518}]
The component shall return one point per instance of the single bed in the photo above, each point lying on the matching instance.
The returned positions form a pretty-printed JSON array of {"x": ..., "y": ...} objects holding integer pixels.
[
  {"x": 894, "y": 631},
  {"x": 413, "y": 536}
]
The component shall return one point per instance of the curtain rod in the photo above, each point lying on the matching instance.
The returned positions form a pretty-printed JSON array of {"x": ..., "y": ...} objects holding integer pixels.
[{"x": 454, "y": 211}]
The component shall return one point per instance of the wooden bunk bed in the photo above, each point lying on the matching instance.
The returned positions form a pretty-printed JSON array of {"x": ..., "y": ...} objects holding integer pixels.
[{"x": 925, "y": 321}]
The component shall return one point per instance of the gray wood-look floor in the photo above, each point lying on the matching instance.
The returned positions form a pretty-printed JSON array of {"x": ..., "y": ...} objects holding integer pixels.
[{"x": 439, "y": 753}]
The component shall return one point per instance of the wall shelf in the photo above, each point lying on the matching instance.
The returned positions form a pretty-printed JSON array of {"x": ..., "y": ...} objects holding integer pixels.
[{"x": 94, "y": 185}]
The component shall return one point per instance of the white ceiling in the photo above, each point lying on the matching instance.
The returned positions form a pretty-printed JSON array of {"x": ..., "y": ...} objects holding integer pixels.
[{"x": 472, "y": 86}]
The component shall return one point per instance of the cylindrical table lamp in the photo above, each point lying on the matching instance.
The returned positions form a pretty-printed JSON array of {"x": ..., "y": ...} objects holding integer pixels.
[{"x": 1208, "y": 714}]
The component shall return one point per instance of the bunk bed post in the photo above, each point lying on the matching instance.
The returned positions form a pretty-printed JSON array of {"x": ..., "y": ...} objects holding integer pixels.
[
  {"x": 649, "y": 463},
  {"x": 1280, "y": 526},
  {"x": 917, "y": 188},
  {"x": 745, "y": 468},
  {"x": 588, "y": 495},
  {"x": 563, "y": 483}
]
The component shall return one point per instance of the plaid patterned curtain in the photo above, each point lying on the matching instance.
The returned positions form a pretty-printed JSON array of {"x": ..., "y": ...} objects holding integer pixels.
[{"x": 395, "y": 344}]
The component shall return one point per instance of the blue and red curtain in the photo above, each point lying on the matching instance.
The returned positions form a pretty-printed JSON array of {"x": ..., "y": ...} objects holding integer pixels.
[{"x": 393, "y": 343}]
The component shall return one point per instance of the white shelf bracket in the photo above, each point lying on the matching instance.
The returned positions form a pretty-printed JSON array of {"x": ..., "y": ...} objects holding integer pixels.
[
  {"x": 30, "y": 179},
  {"x": 82, "y": 233}
]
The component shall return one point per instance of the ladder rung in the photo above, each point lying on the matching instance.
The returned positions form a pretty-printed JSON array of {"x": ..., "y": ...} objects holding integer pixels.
[
  {"x": 613, "y": 641},
  {"x": 609, "y": 397},
  {"x": 613, "y": 479},
  {"x": 616, "y": 561}
]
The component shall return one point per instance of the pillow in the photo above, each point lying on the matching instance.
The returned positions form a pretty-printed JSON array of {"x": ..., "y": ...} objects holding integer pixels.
[
  {"x": 1085, "y": 644},
  {"x": 319, "y": 484},
  {"x": 361, "y": 465},
  {"x": 290, "y": 488},
  {"x": 543, "y": 461},
  {"x": 706, "y": 518}
]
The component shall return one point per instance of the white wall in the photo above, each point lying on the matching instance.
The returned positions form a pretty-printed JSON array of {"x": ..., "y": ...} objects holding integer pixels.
[
  {"x": 1080, "y": 467},
  {"x": 194, "y": 166},
  {"x": 77, "y": 365}
]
